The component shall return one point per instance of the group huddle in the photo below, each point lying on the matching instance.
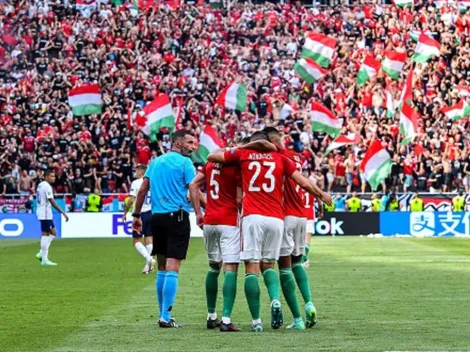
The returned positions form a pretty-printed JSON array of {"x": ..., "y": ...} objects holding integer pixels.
[{"x": 255, "y": 212}]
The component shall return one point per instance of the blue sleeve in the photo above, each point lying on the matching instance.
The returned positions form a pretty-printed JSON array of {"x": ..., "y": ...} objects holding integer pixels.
[{"x": 189, "y": 172}]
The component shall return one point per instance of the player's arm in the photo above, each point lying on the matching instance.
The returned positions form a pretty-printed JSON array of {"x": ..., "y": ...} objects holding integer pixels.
[
  {"x": 239, "y": 198},
  {"x": 229, "y": 155},
  {"x": 195, "y": 195},
  {"x": 128, "y": 206},
  {"x": 260, "y": 146},
  {"x": 304, "y": 183},
  {"x": 56, "y": 207}
]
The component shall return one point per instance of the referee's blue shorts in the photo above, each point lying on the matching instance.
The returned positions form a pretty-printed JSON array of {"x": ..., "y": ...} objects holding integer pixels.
[{"x": 171, "y": 232}]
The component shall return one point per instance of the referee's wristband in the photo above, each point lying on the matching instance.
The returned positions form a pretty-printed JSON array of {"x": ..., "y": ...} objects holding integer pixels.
[{"x": 136, "y": 215}]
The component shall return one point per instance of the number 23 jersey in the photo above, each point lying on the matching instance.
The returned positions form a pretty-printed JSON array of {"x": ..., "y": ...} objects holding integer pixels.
[{"x": 263, "y": 177}]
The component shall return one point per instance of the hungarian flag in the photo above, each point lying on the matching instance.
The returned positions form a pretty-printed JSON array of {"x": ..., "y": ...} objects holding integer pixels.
[
  {"x": 458, "y": 111},
  {"x": 159, "y": 114},
  {"x": 414, "y": 35},
  {"x": 376, "y": 164},
  {"x": 341, "y": 141},
  {"x": 463, "y": 5},
  {"x": 85, "y": 100},
  {"x": 309, "y": 70},
  {"x": 208, "y": 141},
  {"x": 401, "y": 4},
  {"x": 408, "y": 123},
  {"x": 85, "y": 7},
  {"x": 233, "y": 97},
  {"x": 323, "y": 120},
  {"x": 390, "y": 102},
  {"x": 216, "y": 4},
  {"x": 320, "y": 48},
  {"x": 368, "y": 71},
  {"x": 407, "y": 92},
  {"x": 426, "y": 49},
  {"x": 463, "y": 91},
  {"x": 393, "y": 63}
]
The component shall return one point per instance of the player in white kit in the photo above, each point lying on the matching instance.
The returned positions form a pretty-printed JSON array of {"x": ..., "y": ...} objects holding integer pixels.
[
  {"x": 144, "y": 251},
  {"x": 45, "y": 201}
]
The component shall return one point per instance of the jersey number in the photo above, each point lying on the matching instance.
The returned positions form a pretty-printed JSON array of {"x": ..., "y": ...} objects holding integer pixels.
[
  {"x": 214, "y": 192},
  {"x": 269, "y": 177},
  {"x": 148, "y": 200}
]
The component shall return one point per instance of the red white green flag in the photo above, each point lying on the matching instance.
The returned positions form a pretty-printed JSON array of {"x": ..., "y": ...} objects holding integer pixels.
[
  {"x": 458, "y": 111},
  {"x": 408, "y": 123},
  {"x": 309, "y": 70},
  {"x": 463, "y": 90},
  {"x": 389, "y": 102},
  {"x": 85, "y": 100},
  {"x": 159, "y": 114},
  {"x": 208, "y": 142},
  {"x": 368, "y": 71},
  {"x": 376, "y": 164},
  {"x": 343, "y": 140},
  {"x": 323, "y": 120},
  {"x": 233, "y": 97},
  {"x": 426, "y": 49},
  {"x": 407, "y": 92},
  {"x": 401, "y": 4},
  {"x": 320, "y": 48},
  {"x": 393, "y": 63}
]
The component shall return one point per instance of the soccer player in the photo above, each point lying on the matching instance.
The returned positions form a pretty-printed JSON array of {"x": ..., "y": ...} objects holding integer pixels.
[
  {"x": 221, "y": 235},
  {"x": 146, "y": 215},
  {"x": 45, "y": 201},
  {"x": 168, "y": 177},
  {"x": 263, "y": 220},
  {"x": 293, "y": 242}
]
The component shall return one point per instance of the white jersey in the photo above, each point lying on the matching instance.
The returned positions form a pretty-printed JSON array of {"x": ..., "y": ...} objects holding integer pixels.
[
  {"x": 135, "y": 186},
  {"x": 43, "y": 195}
]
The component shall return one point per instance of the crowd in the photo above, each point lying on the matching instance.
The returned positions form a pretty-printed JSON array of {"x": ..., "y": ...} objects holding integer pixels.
[{"x": 137, "y": 51}]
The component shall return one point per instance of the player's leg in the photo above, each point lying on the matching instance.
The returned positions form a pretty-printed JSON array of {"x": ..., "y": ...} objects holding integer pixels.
[
  {"x": 308, "y": 237},
  {"x": 300, "y": 274},
  {"x": 48, "y": 234},
  {"x": 230, "y": 248},
  {"x": 271, "y": 247},
  {"x": 285, "y": 271},
  {"x": 160, "y": 244},
  {"x": 251, "y": 255},
  {"x": 147, "y": 232},
  {"x": 139, "y": 246},
  {"x": 211, "y": 236},
  {"x": 178, "y": 230}
]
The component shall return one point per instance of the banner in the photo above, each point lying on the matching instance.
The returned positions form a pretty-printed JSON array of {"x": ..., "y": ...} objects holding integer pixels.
[
  {"x": 425, "y": 224},
  {"x": 106, "y": 225},
  {"x": 24, "y": 226},
  {"x": 352, "y": 224},
  {"x": 19, "y": 204}
]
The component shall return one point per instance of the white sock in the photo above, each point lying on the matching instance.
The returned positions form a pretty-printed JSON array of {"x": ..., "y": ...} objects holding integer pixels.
[
  {"x": 211, "y": 316},
  {"x": 143, "y": 252},
  {"x": 149, "y": 248},
  {"x": 226, "y": 320},
  {"x": 256, "y": 321},
  {"x": 45, "y": 247}
]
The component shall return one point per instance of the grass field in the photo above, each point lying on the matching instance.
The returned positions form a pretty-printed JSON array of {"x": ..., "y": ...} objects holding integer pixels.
[{"x": 371, "y": 294}]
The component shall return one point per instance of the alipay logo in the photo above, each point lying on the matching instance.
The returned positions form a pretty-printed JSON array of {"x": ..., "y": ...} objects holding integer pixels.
[{"x": 422, "y": 224}]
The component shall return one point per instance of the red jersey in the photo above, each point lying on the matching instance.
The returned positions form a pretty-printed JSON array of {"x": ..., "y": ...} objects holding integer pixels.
[
  {"x": 293, "y": 194},
  {"x": 221, "y": 189},
  {"x": 29, "y": 143},
  {"x": 263, "y": 178},
  {"x": 309, "y": 206}
]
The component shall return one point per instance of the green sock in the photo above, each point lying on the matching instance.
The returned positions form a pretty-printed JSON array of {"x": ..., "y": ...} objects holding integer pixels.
[
  {"x": 271, "y": 280},
  {"x": 229, "y": 292},
  {"x": 302, "y": 281},
  {"x": 307, "y": 249},
  {"x": 288, "y": 289},
  {"x": 252, "y": 294},
  {"x": 212, "y": 286}
]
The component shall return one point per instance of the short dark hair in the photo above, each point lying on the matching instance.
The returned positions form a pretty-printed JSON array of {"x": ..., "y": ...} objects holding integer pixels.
[
  {"x": 179, "y": 135},
  {"x": 245, "y": 140},
  {"x": 271, "y": 131},
  {"x": 47, "y": 172},
  {"x": 141, "y": 167},
  {"x": 259, "y": 136}
]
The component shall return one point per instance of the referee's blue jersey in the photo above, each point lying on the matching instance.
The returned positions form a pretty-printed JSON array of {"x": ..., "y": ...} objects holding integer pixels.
[{"x": 170, "y": 176}]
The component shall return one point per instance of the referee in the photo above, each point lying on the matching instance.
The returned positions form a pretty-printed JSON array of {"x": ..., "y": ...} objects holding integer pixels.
[{"x": 168, "y": 178}]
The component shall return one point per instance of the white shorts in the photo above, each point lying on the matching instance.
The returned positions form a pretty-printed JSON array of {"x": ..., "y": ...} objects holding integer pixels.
[
  {"x": 261, "y": 237},
  {"x": 222, "y": 243},
  {"x": 293, "y": 241},
  {"x": 310, "y": 227}
]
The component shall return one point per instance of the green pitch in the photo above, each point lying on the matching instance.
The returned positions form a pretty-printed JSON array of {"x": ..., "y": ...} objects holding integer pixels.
[{"x": 371, "y": 295}]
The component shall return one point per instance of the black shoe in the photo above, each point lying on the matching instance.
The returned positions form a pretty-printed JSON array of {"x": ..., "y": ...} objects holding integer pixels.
[
  {"x": 171, "y": 324},
  {"x": 212, "y": 324},
  {"x": 229, "y": 328}
]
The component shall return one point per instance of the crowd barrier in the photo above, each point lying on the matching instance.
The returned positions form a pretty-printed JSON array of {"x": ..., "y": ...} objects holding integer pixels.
[{"x": 111, "y": 225}]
